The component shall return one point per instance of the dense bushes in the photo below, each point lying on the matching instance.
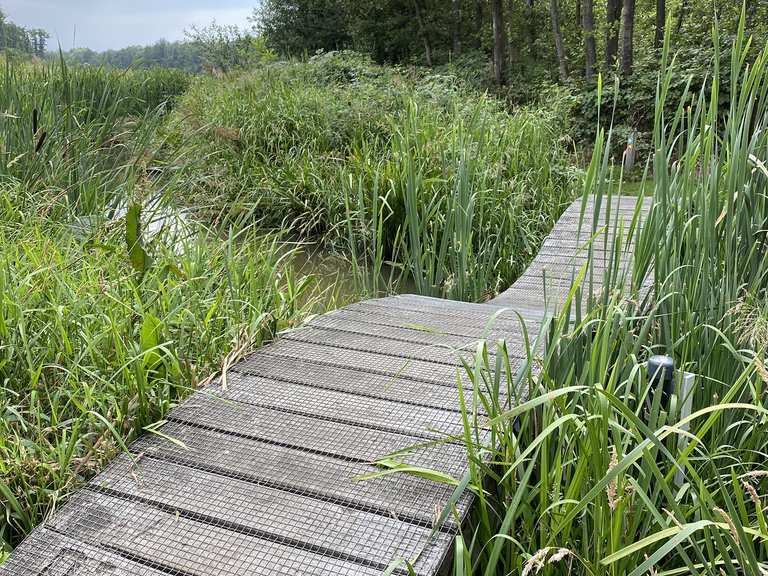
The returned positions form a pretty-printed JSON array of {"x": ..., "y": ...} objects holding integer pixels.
[{"x": 320, "y": 147}]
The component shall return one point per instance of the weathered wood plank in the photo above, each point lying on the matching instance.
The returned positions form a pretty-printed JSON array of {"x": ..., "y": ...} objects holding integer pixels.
[
  {"x": 314, "y": 434},
  {"x": 299, "y": 370},
  {"x": 49, "y": 553},
  {"x": 422, "y": 326},
  {"x": 439, "y": 353},
  {"x": 404, "y": 497},
  {"x": 394, "y": 366},
  {"x": 272, "y": 514},
  {"x": 476, "y": 317},
  {"x": 310, "y": 400},
  {"x": 187, "y": 546}
]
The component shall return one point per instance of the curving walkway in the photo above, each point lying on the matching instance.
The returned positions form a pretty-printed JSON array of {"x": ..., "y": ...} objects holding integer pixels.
[{"x": 260, "y": 477}]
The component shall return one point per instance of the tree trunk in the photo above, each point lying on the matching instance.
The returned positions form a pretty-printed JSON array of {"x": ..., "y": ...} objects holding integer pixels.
[
  {"x": 661, "y": 19},
  {"x": 499, "y": 42},
  {"x": 423, "y": 32},
  {"x": 613, "y": 23},
  {"x": 681, "y": 12},
  {"x": 554, "y": 13},
  {"x": 532, "y": 27},
  {"x": 628, "y": 44},
  {"x": 479, "y": 21},
  {"x": 590, "y": 51},
  {"x": 456, "y": 32}
]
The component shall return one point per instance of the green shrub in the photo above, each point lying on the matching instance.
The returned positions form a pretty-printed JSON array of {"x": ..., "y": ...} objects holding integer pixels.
[{"x": 303, "y": 146}]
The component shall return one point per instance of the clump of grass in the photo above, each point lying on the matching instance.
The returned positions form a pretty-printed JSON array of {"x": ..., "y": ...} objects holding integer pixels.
[
  {"x": 442, "y": 182},
  {"x": 92, "y": 353}
]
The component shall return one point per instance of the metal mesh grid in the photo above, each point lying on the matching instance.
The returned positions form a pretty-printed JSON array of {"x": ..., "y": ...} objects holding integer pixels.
[
  {"x": 383, "y": 345},
  {"x": 263, "y": 512},
  {"x": 396, "y": 367},
  {"x": 412, "y": 327},
  {"x": 375, "y": 413},
  {"x": 261, "y": 476},
  {"x": 311, "y": 433},
  {"x": 299, "y": 370},
  {"x": 472, "y": 321},
  {"x": 48, "y": 553},
  {"x": 299, "y": 471}
]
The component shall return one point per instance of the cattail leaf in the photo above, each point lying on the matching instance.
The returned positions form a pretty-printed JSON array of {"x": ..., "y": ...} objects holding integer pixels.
[{"x": 133, "y": 238}]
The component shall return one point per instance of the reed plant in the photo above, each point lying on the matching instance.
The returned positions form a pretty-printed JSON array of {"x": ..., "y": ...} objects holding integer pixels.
[
  {"x": 114, "y": 304},
  {"x": 590, "y": 468},
  {"x": 439, "y": 186}
]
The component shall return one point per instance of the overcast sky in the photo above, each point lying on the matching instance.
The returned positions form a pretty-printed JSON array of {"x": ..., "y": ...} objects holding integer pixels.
[{"x": 103, "y": 24}]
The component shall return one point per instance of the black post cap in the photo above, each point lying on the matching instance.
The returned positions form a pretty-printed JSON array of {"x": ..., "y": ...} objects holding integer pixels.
[{"x": 661, "y": 368}]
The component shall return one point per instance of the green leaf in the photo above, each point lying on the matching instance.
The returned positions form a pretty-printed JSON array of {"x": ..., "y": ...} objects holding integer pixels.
[
  {"x": 133, "y": 239},
  {"x": 395, "y": 467}
]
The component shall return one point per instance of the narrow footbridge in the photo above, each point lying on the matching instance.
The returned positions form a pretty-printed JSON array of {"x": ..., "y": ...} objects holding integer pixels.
[{"x": 259, "y": 474}]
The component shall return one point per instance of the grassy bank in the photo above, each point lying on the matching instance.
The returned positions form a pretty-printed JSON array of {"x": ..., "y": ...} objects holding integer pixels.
[
  {"x": 113, "y": 304},
  {"x": 382, "y": 165},
  {"x": 595, "y": 473}
]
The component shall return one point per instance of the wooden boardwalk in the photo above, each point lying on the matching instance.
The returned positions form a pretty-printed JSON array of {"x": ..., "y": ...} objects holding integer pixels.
[{"x": 261, "y": 476}]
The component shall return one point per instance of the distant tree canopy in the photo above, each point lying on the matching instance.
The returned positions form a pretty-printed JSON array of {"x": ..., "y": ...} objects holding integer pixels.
[
  {"x": 32, "y": 42},
  {"x": 555, "y": 38},
  {"x": 180, "y": 55}
]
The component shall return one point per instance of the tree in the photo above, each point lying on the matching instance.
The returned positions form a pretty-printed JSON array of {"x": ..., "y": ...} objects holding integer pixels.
[
  {"x": 298, "y": 26},
  {"x": 479, "y": 22},
  {"x": 628, "y": 43},
  {"x": 661, "y": 18},
  {"x": 456, "y": 27},
  {"x": 612, "y": 25},
  {"x": 554, "y": 12},
  {"x": 590, "y": 50},
  {"x": 225, "y": 48},
  {"x": 423, "y": 33},
  {"x": 499, "y": 42}
]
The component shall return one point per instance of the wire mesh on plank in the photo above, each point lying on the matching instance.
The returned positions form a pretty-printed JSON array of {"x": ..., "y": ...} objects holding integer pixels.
[
  {"x": 375, "y": 413},
  {"x": 178, "y": 544},
  {"x": 48, "y": 553},
  {"x": 405, "y": 497},
  {"x": 299, "y": 370},
  {"x": 310, "y": 433},
  {"x": 304, "y": 523}
]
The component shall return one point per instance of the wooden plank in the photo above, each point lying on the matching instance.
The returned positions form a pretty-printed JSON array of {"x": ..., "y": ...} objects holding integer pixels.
[
  {"x": 407, "y": 498},
  {"x": 272, "y": 514},
  {"x": 395, "y": 329},
  {"x": 477, "y": 314},
  {"x": 438, "y": 353},
  {"x": 299, "y": 370},
  {"x": 340, "y": 440},
  {"x": 187, "y": 546},
  {"x": 49, "y": 553},
  {"x": 387, "y": 365},
  {"x": 421, "y": 325},
  {"x": 376, "y": 413}
]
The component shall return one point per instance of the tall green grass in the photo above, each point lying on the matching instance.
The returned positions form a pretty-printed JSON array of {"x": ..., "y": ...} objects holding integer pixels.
[
  {"x": 424, "y": 182},
  {"x": 114, "y": 305},
  {"x": 76, "y": 136},
  {"x": 588, "y": 470}
]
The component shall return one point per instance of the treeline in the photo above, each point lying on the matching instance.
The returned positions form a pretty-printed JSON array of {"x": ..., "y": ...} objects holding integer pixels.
[
  {"x": 185, "y": 56},
  {"x": 562, "y": 39},
  {"x": 27, "y": 41}
]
